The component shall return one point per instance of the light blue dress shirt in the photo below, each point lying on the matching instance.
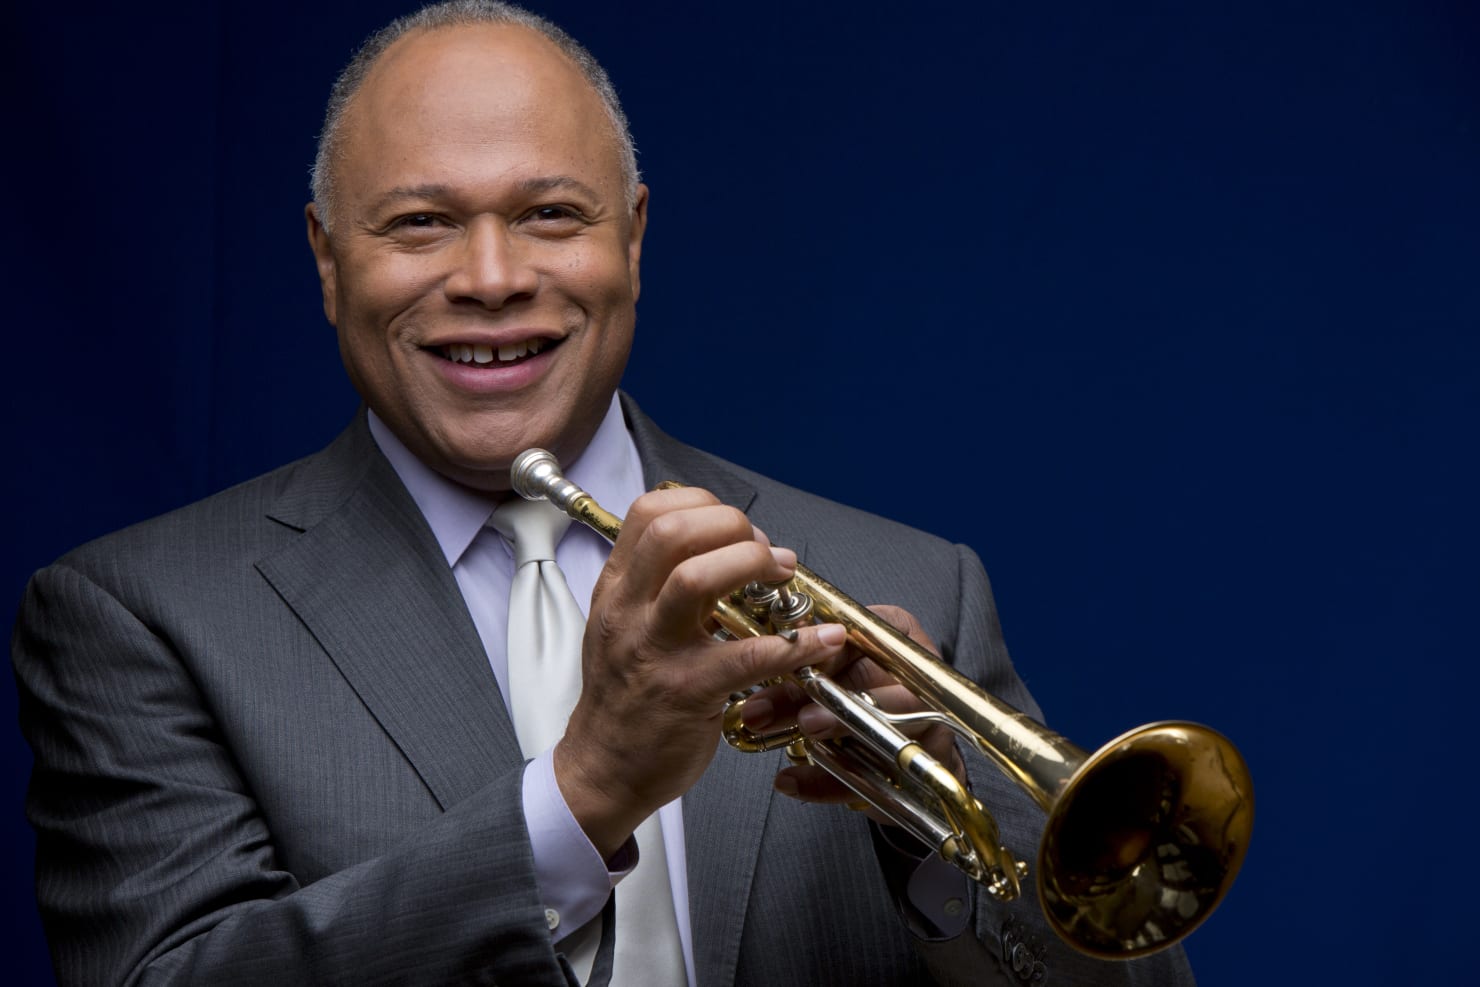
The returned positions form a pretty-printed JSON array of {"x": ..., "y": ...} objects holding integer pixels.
[{"x": 574, "y": 881}]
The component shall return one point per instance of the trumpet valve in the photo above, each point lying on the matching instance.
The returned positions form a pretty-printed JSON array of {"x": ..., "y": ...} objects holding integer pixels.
[
  {"x": 791, "y": 609},
  {"x": 757, "y": 600}
]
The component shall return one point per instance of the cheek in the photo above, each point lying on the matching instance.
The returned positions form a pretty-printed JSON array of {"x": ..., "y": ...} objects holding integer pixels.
[
  {"x": 374, "y": 291},
  {"x": 373, "y": 299},
  {"x": 604, "y": 291},
  {"x": 600, "y": 271}
]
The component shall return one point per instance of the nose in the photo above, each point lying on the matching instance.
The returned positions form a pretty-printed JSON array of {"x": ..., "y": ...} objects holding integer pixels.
[{"x": 489, "y": 268}]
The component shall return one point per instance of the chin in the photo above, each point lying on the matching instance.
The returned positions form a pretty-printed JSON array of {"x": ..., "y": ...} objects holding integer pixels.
[{"x": 484, "y": 462}]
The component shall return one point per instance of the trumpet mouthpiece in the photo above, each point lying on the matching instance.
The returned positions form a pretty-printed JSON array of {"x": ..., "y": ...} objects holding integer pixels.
[{"x": 536, "y": 475}]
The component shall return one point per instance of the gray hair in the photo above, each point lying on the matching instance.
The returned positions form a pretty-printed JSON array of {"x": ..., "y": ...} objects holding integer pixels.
[{"x": 450, "y": 14}]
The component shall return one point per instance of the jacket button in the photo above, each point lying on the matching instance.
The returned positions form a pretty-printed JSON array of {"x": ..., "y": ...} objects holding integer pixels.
[{"x": 1023, "y": 954}]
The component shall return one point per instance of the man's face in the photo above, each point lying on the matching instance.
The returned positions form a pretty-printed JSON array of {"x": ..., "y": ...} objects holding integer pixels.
[{"x": 482, "y": 270}]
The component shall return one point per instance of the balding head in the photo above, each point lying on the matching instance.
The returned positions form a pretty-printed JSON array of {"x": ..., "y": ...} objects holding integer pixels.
[{"x": 451, "y": 15}]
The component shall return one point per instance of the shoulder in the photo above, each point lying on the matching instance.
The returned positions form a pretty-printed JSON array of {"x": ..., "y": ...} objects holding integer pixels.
[
  {"x": 779, "y": 508},
  {"x": 230, "y": 529},
  {"x": 871, "y": 558},
  {"x": 837, "y": 529}
]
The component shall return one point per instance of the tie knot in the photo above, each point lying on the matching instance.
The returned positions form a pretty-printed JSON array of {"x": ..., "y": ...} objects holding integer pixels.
[{"x": 534, "y": 526}]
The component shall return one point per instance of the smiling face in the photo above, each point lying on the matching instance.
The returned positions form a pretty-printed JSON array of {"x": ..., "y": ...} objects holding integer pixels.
[{"x": 482, "y": 270}]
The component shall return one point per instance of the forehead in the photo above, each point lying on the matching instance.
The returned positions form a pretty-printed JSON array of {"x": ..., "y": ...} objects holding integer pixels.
[{"x": 479, "y": 91}]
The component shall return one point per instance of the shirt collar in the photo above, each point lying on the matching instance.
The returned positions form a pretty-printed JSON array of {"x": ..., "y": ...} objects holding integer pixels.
[{"x": 608, "y": 469}]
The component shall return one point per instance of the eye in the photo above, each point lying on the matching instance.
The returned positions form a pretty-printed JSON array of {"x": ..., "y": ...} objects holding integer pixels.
[
  {"x": 417, "y": 229},
  {"x": 417, "y": 221},
  {"x": 556, "y": 215}
]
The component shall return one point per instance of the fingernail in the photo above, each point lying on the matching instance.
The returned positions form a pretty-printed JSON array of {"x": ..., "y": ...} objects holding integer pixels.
[
  {"x": 832, "y": 635},
  {"x": 784, "y": 557},
  {"x": 786, "y": 784},
  {"x": 757, "y": 713}
]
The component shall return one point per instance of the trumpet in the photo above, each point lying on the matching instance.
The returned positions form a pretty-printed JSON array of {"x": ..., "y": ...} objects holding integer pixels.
[{"x": 1143, "y": 837}]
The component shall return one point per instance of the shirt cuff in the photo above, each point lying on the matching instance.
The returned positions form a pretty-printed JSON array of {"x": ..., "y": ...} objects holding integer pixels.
[{"x": 574, "y": 882}]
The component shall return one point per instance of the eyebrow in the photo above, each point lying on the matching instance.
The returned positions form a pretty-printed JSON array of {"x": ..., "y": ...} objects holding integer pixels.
[{"x": 532, "y": 186}]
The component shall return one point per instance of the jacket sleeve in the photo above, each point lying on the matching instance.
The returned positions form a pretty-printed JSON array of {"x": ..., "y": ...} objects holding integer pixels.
[{"x": 156, "y": 865}]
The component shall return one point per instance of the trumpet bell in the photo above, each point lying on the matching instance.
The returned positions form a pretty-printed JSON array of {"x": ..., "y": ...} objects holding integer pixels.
[{"x": 1145, "y": 839}]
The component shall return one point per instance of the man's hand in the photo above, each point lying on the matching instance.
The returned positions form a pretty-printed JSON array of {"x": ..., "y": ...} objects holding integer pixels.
[
  {"x": 654, "y": 680},
  {"x": 779, "y": 706}
]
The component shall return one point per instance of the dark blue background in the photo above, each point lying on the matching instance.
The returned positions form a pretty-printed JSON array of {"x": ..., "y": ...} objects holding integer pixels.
[{"x": 1169, "y": 310}]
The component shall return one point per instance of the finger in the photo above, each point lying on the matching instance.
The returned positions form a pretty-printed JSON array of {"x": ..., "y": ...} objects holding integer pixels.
[
  {"x": 682, "y": 536},
  {"x": 843, "y": 668},
  {"x": 939, "y": 741},
  {"x": 808, "y": 783},
  {"x": 687, "y": 597},
  {"x": 645, "y": 510},
  {"x": 655, "y": 503},
  {"x": 862, "y": 675},
  {"x": 683, "y": 532},
  {"x": 902, "y": 620},
  {"x": 785, "y": 703},
  {"x": 819, "y": 723},
  {"x": 772, "y": 705},
  {"x": 733, "y": 666}
]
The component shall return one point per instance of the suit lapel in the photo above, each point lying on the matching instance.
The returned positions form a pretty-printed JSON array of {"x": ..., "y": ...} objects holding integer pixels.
[
  {"x": 368, "y": 581},
  {"x": 724, "y": 815}
]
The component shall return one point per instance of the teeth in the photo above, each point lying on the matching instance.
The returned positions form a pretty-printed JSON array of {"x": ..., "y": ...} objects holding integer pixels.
[{"x": 483, "y": 354}]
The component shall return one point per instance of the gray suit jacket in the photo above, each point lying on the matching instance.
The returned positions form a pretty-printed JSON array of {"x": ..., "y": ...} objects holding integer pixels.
[{"x": 269, "y": 750}]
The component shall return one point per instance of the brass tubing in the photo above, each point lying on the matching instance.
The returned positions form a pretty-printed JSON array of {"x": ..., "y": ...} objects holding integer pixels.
[
  {"x": 1037, "y": 759},
  {"x": 1143, "y": 837}
]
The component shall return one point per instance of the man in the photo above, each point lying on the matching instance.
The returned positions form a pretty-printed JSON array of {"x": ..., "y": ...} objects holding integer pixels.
[{"x": 278, "y": 734}]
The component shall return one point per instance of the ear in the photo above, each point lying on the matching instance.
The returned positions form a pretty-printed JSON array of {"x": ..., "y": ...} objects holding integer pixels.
[
  {"x": 634, "y": 240},
  {"x": 323, "y": 255}
]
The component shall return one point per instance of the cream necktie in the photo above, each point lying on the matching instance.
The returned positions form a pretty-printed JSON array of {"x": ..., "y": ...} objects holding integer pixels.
[
  {"x": 545, "y": 625},
  {"x": 544, "y": 660}
]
